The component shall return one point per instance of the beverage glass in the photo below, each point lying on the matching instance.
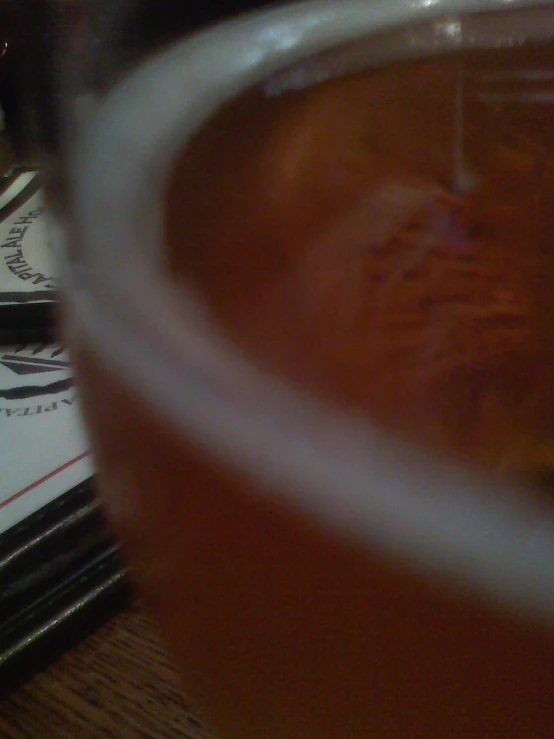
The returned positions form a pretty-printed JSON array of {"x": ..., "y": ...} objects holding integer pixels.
[{"x": 322, "y": 561}]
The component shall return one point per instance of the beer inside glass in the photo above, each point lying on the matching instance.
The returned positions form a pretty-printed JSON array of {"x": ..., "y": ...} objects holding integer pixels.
[{"x": 310, "y": 297}]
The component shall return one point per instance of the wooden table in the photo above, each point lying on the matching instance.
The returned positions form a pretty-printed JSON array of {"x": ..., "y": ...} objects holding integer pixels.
[{"x": 117, "y": 684}]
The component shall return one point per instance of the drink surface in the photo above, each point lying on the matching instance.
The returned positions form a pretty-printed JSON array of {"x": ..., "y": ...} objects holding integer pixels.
[{"x": 386, "y": 240}]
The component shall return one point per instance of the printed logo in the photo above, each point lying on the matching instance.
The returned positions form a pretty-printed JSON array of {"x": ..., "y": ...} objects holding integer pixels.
[
  {"x": 35, "y": 379},
  {"x": 26, "y": 250}
]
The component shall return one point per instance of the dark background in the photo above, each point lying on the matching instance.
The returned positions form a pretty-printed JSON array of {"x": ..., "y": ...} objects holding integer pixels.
[{"x": 32, "y": 29}]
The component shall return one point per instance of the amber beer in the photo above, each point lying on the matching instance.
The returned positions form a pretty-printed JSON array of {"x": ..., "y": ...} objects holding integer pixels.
[{"x": 311, "y": 307}]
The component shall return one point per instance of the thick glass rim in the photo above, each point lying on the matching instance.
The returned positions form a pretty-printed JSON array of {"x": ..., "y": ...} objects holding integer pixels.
[{"x": 353, "y": 477}]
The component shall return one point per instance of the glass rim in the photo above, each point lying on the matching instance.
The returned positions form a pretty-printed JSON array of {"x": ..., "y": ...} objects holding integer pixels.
[{"x": 352, "y": 476}]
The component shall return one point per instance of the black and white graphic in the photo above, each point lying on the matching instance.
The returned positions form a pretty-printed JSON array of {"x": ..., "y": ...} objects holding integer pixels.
[
  {"x": 26, "y": 257},
  {"x": 29, "y": 374},
  {"x": 45, "y": 451}
]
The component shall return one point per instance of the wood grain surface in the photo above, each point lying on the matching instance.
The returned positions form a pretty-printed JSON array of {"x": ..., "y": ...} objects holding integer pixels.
[{"x": 117, "y": 683}]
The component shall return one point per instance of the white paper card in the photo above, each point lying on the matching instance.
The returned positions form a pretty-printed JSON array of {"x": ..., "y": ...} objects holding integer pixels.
[{"x": 44, "y": 450}]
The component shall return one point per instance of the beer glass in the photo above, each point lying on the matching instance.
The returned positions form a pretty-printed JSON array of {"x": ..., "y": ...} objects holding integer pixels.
[{"x": 308, "y": 272}]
